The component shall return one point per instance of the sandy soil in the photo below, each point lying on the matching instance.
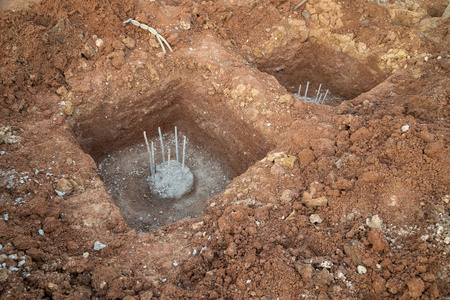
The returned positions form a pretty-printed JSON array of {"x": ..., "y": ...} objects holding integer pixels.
[{"x": 346, "y": 200}]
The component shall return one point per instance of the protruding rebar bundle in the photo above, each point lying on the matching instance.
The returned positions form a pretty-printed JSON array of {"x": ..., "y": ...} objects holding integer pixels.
[
  {"x": 150, "y": 155},
  {"x": 176, "y": 142},
  {"x": 162, "y": 144}
]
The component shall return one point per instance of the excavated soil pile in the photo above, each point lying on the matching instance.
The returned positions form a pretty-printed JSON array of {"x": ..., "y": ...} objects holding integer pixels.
[{"x": 291, "y": 199}]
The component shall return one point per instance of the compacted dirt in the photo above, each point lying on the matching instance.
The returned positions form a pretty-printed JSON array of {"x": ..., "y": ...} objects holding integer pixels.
[{"x": 343, "y": 200}]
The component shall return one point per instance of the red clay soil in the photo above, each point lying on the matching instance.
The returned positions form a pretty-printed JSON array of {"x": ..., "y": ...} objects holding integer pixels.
[{"x": 344, "y": 200}]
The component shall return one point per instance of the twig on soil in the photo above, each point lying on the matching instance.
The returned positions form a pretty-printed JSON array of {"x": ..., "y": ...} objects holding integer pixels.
[
  {"x": 152, "y": 31},
  {"x": 300, "y": 4}
]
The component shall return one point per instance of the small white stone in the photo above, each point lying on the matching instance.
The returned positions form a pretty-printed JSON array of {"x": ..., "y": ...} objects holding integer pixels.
[
  {"x": 374, "y": 222},
  {"x": 85, "y": 254},
  {"x": 98, "y": 246},
  {"x": 405, "y": 128},
  {"x": 378, "y": 266},
  {"x": 60, "y": 194},
  {"x": 14, "y": 269},
  {"x": 175, "y": 264},
  {"x": 99, "y": 43},
  {"x": 13, "y": 256},
  {"x": 21, "y": 263},
  {"x": 362, "y": 270},
  {"x": 447, "y": 240},
  {"x": 248, "y": 281},
  {"x": 6, "y": 217},
  {"x": 424, "y": 237},
  {"x": 426, "y": 58},
  {"x": 41, "y": 232},
  {"x": 315, "y": 218}
]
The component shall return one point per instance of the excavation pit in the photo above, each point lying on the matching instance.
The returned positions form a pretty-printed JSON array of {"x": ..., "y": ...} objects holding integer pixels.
[
  {"x": 343, "y": 75},
  {"x": 219, "y": 147}
]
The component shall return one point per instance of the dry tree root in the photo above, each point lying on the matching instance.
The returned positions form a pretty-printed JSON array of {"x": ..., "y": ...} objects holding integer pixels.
[{"x": 153, "y": 31}]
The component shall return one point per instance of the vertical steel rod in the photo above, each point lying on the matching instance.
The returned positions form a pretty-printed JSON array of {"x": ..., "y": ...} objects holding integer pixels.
[
  {"x": 323, "y": 100},
  {"x": 153, "y": 162},
  {"x": 184, "y": 154},
  {"x": 299, "y": 89},
  {"x": 306, "y": 92},
  {"x": 149, "y": 153},
  {"x": 176, "y": 143},
  {"x": 168, "y": 158},
  {"x": 318, "y": 92},
  {"x": 162, "y": 145}
]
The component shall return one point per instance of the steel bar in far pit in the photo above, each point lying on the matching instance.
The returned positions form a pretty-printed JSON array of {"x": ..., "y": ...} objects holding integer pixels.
[
  {"x": 318, "y": 92},
  {"x": 306, "y": 92},
  {"x": 323, "y": 100}
]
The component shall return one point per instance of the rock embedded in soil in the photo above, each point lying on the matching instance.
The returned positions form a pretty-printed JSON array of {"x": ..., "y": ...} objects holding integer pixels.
[
  {"x": 374, "y": 222},
  {"x": 415, "y": 287},
  {"x": 316, "y": 202},
  {"x": 315, "y": 219},
  {"x": 99, "y": 246},
  {"x": 64, "y": 186}
]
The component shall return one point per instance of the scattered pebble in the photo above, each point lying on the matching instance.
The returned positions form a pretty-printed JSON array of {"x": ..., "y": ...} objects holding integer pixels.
[
  {"x": 13, "y": 256},
  {"x": 6, "y": 217},
  {"x": 362, "y": 270},
  {"x": 60, "y": 194},
  {"x": 175, "y": 264},
  {"x": 41, "y": 232},
  {"x": 405, "y": 128},
  {"x": 374, "y": 222},
  {"x": 14, "y": 269},
  {"x": 315, "y": 218},
  {"x": 85, "y": 254},
  {"x": 248, "y": 281},
  {"x": 21, "y": 263},
  {"x": 98, "y": 246}
]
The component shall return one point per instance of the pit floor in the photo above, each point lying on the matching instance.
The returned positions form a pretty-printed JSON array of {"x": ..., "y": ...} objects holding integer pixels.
[{"x": 125, "y": 175}]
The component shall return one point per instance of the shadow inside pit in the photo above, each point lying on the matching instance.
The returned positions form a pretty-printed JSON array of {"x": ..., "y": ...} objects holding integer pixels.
[{"x": 219, "y": 147}]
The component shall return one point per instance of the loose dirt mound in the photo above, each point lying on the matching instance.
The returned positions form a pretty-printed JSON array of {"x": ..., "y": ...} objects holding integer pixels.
[{"x": 345, "y": 200}]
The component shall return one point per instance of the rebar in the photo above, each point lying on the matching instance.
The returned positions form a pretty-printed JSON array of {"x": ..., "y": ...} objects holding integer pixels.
[
  {"x": 306, "y": 92},
  {"x": 162, "y": 145},
  {"x": 323, "y": 100},
  {"x": 184, "y": 153},
  {"x": 176, "y": 143},
  {"x": 318, "y": 92},
  {"x": 149, "y": 154}
]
